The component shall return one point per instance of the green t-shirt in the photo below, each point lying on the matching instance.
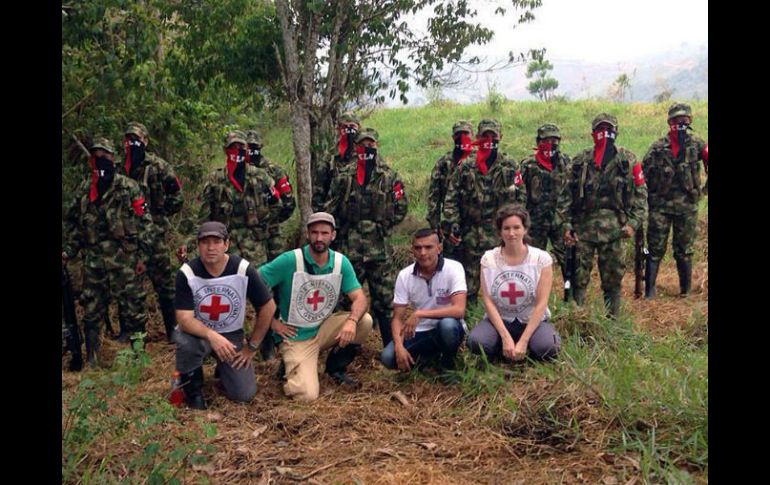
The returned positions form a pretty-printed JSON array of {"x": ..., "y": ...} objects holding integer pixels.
[{"x": 278, "y": 273}]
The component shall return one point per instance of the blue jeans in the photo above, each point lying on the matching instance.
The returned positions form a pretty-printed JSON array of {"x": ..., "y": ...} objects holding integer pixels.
[{"x": 445, "y": 339}]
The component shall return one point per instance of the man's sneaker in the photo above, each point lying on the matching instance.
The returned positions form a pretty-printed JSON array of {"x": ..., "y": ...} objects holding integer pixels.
[{"x": 342, "y": 378}]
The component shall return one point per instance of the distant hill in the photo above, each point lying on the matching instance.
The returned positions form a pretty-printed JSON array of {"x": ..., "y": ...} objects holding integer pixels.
[{"x": 683, "y": 72}]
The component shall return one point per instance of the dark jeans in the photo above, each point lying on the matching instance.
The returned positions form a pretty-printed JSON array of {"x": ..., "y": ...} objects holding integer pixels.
[
  {"x": 543, "y": 344},
  {"x": 444, "y": 340},
  {"x": 238, "y": 384}
]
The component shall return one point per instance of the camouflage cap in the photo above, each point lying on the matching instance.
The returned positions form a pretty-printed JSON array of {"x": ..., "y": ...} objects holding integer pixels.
[
  {"x": 235, "y": 136},
  {"x": 462, "y": 125},
  {"x": 547, "y": 130},
  {"x": 370, "y": 133},
  {"x": 679, "y": 109},
  {"x": 489, "y": 124},
  {"x": 604, "y": 118},
  {"x": 253, "y": 137},
  {"x": 103, "y": 143},
  {"x": 348, "y": 117},
  {"x": 136, "y": 128}
]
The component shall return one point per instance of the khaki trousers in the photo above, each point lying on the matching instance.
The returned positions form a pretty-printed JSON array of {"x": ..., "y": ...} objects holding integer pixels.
[{"x": 301, "y": 356}]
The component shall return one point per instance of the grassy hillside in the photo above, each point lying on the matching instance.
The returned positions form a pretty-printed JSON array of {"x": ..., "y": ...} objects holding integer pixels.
[{"x": 626, "y": 402}]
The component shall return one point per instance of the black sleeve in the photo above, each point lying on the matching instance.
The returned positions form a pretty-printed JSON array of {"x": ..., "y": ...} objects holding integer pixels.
[
  {"x": 258, "y": 293},
  {"x": 183, "y": 300}
]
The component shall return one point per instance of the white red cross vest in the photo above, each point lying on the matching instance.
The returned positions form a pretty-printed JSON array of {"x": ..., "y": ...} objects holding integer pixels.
[
  {"x": 220, "y": 303},
  {"x": 313, "y": 297},
  {"x": 512, "y": 288}
]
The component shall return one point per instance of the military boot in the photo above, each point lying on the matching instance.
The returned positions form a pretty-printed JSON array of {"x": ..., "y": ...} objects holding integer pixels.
[
  {"x": 337, "y": 362},
  {"x": 650, "y": 275},
  {"x": 123, "y": 335},
  {"x": 192, "y": 384},
  {"x": 92, "y": 346},
  {"x": 684, "y": 268},
  {"x": 169, "y": 317},
  {"x": 579, "y": 294},
  {"x": 612, "y": 303}
]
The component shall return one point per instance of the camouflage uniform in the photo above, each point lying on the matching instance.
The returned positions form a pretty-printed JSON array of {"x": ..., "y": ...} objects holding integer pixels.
[
  {"x": 365, "y": 217},
  {"x": 246, "y": 213},
  {"x": 275, "y": 245},
  {"x": 439, "y": 181},
  {"x": 674, "y": 189},
  {"x": 597, "y": 202},
  {"x": 162, "y": 191},
  {"x": 544, "y": 184},
  {"x": 330, "y": 167},
  {"x": 114, "y": 232},
  {"x": 471, "y": 201}
]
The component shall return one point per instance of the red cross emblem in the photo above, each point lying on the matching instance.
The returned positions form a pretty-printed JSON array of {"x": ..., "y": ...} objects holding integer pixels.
[
  {"x": 215, "y": 309},
  {"x": 315, "y": 300},
  {"x": 512, "y": 294}
]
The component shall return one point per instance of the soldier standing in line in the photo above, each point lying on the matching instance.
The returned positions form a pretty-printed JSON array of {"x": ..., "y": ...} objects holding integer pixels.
[{"x": 348, "y": 127}]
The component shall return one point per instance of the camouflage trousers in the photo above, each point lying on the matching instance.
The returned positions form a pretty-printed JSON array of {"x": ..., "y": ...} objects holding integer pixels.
[
  {"x": 658, "y": 228},
  {"x": 611, "y": 264},
  {"x": 477, "y": 240},
  {"x": 275, "y": 243},
  {"x": 102, "y": 281},
  {"x": 380, "y": 277},
  {"x": 541, "y": 233},
  {"x": 244, "y": 242},
  {"x": 159, "y": 269}
]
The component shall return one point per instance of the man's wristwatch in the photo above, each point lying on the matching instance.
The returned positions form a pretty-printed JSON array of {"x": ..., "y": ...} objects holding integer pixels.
[{"x": 252, "y": 346}]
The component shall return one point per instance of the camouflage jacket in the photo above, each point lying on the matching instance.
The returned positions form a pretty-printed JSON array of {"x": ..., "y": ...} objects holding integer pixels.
[
  {"x": 256, "y": 207},
  {"x": 472, "y": 198},
  {"x": 328, "y": 168},
  {"x": 596, "y": 203},
  {"x": 439, "y": 182},
  {"x": 118, "y": 223},
  {"x": 367, "y": 214},
  {"x": 543, "y": 187},
  {"x": 283, "y": 186},
  {"x": 673, "y": 186},
  {"x": 161, "y": 187}
]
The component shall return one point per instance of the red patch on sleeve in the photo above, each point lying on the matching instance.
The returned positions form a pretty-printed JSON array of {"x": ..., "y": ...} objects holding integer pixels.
[
  {"x": 638, "y": 174},
  {"x": 517, "y": 180},
  {"x": 284, "y": 187},
  {"x": 138, "y": 206},
  {"x": 398, "y": 191},
  {"x": 704, "y": 154},
  {"x": 275, "y": 192},
  {"x": 178, "y": 182}
]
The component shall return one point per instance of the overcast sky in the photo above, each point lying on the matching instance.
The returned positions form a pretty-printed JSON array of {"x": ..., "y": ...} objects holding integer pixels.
[{"x": 600, "y": 30}]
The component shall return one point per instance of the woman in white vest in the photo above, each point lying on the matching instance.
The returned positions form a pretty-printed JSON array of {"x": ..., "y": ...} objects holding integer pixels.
[{"x": 515, "y": 283}]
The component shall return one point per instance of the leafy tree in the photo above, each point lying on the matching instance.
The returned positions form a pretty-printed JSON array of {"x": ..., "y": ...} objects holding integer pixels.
[
  {"x": 334, "y": 51},
  {"x": 542, "y": 86}
]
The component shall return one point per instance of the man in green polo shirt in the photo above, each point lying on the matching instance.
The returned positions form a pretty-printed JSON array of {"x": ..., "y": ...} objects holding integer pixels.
[{"x": 308, "y": 281}]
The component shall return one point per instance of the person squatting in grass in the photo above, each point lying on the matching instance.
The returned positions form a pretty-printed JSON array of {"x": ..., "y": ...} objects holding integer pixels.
[
  {"x": 435, "y": 288},
  {"x": 515, "y": 283}
]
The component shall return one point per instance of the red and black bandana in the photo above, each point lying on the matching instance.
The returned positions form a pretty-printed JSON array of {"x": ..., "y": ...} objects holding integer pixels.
[
  {"x": 133, "y": 150},
  {"x": 486, "y": 154},
  {"x": 236, "y": 166},
  {"x": 463, "y": 146},
  {"x": 345, "y": 141},
  {"x": 604, "y": 146},
  {"x": 545, "y": 153},
  {"x": 365, "y": 157},
  {"x": 676, "y": 135},
  {"x": 102, "y": 174}
]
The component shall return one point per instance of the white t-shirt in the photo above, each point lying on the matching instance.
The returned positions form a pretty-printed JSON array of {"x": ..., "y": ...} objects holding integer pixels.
[
  {"x": 512, "y": 287},
  {"x": 422, "y": 294}
]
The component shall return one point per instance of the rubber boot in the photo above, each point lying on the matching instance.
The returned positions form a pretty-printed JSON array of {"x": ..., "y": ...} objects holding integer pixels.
[
  {"x": 192, "y": 384},
  {"x": 579, "y": 294},
  {"x": 169, "y": 317},
  {"x": 92, "y": 346},
  {"x": 650, "y": 275},
  {"x": 267, "y": 347},
  {"x": 123, "y": 335},
  {"x": 337, "y": 362},
  {"x": 684, "y": 268},
  {"x": 612, "y": 303}
]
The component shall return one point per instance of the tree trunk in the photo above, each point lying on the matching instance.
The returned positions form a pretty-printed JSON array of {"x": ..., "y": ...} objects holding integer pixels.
[{"x": 300, "y": 134}]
